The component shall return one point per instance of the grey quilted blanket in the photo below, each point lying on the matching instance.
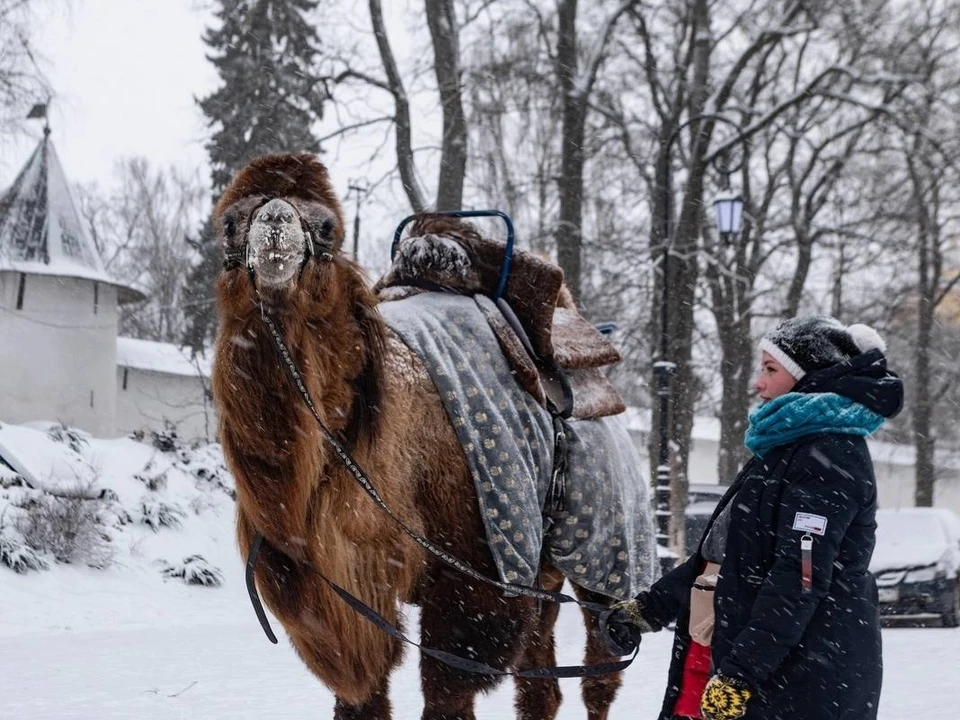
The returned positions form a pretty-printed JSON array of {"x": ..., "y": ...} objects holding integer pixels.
[{"x": 602, "y": 539}]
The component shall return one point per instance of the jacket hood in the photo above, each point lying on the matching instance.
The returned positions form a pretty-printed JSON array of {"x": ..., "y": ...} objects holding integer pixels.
[{"x": 865, "y": 379}]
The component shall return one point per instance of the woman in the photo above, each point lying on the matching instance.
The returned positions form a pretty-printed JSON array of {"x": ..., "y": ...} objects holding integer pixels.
[{"x": 787, "y": 627}]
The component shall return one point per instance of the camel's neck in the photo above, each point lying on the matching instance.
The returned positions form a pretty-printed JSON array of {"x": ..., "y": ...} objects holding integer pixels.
[{"x": 273, "y": 444}]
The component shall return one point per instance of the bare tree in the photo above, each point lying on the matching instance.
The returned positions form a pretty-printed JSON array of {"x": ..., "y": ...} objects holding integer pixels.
[
  {"x": 752, "y": 66},
  {"x": 394, "y": 85},
  {"x": 21, "y": 80},
  {"x": 140, "y": 231},
  {"x": 444, "y": 32},
  {"x": 445, "y": 36},
  {"x": 576, "y": 87}
]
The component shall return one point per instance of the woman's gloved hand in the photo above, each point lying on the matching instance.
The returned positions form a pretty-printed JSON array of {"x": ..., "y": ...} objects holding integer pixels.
[
  {"x": 725, "y": 698},
  {"x": 622, "y": 626}
]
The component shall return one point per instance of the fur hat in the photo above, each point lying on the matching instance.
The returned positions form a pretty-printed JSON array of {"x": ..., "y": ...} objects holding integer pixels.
[{"x": 810, "y": 343}]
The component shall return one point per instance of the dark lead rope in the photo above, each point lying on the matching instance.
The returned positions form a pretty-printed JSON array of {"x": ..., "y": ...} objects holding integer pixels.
[
  {"x": 455, "y": 661},
  {"x": 374, "y": 617},
  {"x": 251, "y": 578},
  {"x": 368, "y": 487}
]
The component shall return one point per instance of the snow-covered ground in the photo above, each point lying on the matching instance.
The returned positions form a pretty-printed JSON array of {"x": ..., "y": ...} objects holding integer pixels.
[{"x": 127, "y": 643}]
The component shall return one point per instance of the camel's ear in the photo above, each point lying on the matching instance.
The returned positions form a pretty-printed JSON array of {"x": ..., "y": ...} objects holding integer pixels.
[{"x": 321, "y": 222}]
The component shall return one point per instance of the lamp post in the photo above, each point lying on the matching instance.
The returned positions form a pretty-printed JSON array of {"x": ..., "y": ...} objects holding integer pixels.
[
  {"x": 360, "y": 190},
  {"x": 728, "y": 209}
]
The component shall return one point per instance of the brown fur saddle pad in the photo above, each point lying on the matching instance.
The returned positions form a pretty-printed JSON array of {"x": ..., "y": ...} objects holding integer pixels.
[{"x": 445, "y": 253}]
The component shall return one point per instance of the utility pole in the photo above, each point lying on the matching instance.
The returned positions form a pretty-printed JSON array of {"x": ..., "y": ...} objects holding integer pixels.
[{"x": 360, "y": 191}]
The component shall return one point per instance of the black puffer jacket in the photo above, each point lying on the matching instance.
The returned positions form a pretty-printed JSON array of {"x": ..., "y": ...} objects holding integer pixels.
[{"x": 809, "y": 654}]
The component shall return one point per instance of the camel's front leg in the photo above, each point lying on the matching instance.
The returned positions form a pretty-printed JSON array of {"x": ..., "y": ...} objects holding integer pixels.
[
  {"x": 540, "y": 699},
  {"x": 476, "y": 622},
  {"x": 376, "y": 707},
  {"x": 598, "y": 692}
]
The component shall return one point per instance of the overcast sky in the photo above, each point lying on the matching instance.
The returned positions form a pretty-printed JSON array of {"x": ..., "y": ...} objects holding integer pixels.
[{"x": 125, "y": 74}]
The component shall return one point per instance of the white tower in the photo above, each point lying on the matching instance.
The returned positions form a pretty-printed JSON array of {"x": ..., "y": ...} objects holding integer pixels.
[{"x": 58, "y": 305}]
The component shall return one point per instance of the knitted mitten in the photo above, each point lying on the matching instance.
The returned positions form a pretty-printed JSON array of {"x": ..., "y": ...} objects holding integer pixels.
[{"x": 725, "y": 698}]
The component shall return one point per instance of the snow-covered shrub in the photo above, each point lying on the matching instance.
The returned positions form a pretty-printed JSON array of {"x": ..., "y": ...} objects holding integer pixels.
[
  {"x": 66, "y": 526},
  {"x": 156, "y": 514},
  {"x": 200, "y": 503},
  {"x": 19, "y": 557},
  {"x": 205, "y": 464},
  {"x": 153, "y": 481},
  {"x": 194, "y": 570},
  {"x": 10, "y": 479},
  {"x": 73, "y": 438},
  {"x": 166, "y": 440}
]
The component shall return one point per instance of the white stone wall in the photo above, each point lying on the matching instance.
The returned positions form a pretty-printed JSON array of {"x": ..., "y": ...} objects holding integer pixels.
[
  {"x": 151, "y": 398},
  {"x": 58, "y": 352}
]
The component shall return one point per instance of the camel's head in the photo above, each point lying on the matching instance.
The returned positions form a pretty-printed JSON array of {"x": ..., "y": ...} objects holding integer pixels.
[
  {"x": 278, "y": 214},
  {"x": 276, "y": 243}
]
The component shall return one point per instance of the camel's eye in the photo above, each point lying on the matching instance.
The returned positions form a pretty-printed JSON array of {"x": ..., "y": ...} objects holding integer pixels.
[{"x": 326, "y": 229}]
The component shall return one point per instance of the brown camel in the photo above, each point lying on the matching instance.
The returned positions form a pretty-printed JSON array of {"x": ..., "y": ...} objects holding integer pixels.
[{"x": 281, "y": 227}]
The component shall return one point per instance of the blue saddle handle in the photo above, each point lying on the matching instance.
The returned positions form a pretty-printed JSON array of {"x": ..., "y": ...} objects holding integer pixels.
[{"x": 507, "y": 254}]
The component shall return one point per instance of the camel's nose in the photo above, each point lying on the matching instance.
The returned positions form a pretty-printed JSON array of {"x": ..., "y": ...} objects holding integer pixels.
[{"x": 276, "y": 213}]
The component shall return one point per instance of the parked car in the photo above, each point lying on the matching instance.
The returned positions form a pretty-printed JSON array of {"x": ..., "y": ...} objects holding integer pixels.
[
  {"x": 702, "y": 499},
  {"x": 916, "y": 564}
]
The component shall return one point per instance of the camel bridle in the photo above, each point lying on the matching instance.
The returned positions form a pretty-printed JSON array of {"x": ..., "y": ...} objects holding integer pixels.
[
  {"x": 321, "y": 248},
  {"x": 372, "y": 615}
]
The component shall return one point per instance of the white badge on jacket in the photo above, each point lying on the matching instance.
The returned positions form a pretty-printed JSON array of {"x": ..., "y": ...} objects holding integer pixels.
[{"x": 808, "y": 522}]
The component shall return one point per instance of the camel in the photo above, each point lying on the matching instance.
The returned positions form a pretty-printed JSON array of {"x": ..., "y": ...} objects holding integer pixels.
[{"x": 281, "y": 227}]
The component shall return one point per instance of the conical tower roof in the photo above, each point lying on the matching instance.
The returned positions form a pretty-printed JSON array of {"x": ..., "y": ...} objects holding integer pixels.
[{"x": 40, "y": 229}]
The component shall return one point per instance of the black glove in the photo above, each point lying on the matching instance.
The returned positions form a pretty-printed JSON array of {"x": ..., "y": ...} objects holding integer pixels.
[{"x": 622, "y": 626}]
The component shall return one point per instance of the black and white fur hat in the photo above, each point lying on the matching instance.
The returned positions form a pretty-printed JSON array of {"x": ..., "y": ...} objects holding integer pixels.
[{"x": 810, "y": 343}]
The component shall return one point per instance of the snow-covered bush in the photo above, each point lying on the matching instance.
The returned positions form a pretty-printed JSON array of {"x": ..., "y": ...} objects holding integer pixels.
[
  {"x": 153, "y": 481},
  {"x": 10, "y": 479},
  {"x": 19, "y": 557},
  {"x": 205, "y": 464},
  {"x": 194, "y": 570},
  {"x": 73, "y": 438},
  {"x": 166, "y": 440},
  {"x": 156, "y": 514},
  {"x": 66, "y": 526}
]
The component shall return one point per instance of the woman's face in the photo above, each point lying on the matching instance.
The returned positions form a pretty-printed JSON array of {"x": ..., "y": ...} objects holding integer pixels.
[{"x": 774, "y": 381}]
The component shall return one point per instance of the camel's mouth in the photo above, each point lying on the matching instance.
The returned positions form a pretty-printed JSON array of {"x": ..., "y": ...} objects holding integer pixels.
[{"x": 276, "y": 244}]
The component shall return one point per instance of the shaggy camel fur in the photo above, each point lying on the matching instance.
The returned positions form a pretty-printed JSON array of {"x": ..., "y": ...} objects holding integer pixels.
[{"x": 377, "y": 398}]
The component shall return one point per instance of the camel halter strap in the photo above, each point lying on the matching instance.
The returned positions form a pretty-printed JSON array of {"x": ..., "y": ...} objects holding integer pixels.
[
  {"x": 361, "y": 477},
  {"x": 448, "y": 658}
]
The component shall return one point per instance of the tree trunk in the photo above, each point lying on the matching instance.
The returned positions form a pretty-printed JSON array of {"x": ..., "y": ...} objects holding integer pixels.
[
  {"x": 570, "y": 225},
  {"x": 923, "y": 404},
  {"x": 453, "y": 157},
  {"x": 923, "y": 438},
  {"x": 735, "y": 369},
  {"x": 405, "y": 162},
  {"x": 799, "y": 279},
  {"x": 683, "y": 273}
]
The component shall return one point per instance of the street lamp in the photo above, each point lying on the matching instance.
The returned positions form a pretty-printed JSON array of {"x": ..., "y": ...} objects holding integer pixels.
[
  {"x": 728, "y": 210},
  {"x": 728, "y": 213}
]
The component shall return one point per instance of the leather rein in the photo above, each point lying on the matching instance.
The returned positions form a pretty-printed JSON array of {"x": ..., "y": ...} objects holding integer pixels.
[{"x": 240, "y": 259}]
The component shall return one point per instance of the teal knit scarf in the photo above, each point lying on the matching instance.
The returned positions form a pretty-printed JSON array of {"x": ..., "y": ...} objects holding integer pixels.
[{"x": 796, "y": 415}]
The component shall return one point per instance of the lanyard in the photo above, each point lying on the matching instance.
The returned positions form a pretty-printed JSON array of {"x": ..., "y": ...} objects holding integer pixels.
[{"x": 806, "y": 562}]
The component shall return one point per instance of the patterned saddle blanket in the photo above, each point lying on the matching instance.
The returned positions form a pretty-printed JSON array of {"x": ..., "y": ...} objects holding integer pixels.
[{"x": 602, "y": 537}]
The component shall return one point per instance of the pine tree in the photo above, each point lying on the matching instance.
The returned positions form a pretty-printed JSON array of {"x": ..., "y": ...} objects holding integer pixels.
[{"x": 265, "y": 52}]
